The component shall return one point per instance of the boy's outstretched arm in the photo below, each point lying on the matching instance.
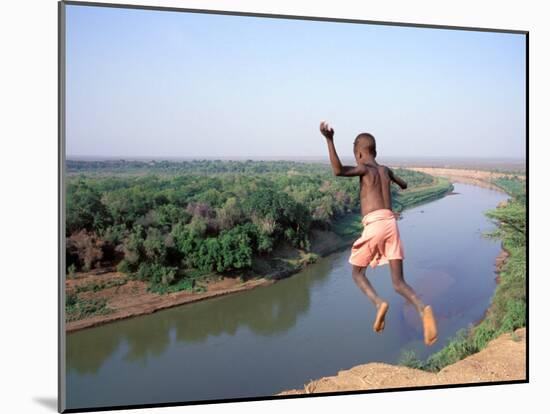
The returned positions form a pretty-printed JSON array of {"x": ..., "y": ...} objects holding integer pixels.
[
  {"x": 337, "y": 167},
  {"x": 397, "y": 180}
]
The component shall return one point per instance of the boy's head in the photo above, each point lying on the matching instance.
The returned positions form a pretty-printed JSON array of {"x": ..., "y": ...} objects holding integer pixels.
[{"x": 364, "y": 146}]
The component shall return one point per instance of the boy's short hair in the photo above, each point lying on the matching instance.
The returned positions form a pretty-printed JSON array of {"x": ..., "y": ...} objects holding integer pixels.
[{"x": 365, "y": 141}]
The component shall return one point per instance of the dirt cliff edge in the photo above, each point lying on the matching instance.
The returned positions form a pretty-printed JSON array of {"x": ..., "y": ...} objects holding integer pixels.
[{"x": 504, "y": 359}]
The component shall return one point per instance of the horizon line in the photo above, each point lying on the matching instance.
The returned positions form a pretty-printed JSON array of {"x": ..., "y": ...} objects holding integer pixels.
[{"x": 282, "y": 157}]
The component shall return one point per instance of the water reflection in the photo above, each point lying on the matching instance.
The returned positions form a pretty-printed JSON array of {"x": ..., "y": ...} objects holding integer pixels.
[{"x": 265, "y": 311}]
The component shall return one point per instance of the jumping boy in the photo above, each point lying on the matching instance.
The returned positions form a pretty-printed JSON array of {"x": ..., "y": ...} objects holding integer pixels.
[{"x": 379, "y": 243}]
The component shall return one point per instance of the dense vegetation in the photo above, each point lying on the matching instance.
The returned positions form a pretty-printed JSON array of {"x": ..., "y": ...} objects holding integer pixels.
[
  {"x": 508, "y": 307},
  {"x": 169, "y": 222},
  {"x": 77, "y": 308},
  {"x": 513, "y": 186}
]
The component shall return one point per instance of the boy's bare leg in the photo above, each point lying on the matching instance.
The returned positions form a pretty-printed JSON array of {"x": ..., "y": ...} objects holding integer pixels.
[
  {"x": 426, "y": 312},
  {"x": 363, "y": 283},
  {"x": 401, "y": 287}
]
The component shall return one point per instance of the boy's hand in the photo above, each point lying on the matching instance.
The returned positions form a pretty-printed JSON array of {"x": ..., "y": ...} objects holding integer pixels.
[{"x": 326, "y": 130}]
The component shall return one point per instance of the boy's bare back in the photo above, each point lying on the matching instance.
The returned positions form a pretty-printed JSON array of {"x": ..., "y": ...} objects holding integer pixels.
[{"x": 374, "y": 190}]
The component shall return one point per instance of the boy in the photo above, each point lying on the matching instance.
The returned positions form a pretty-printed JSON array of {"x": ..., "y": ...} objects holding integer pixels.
[{"x": 380, "y": 242}]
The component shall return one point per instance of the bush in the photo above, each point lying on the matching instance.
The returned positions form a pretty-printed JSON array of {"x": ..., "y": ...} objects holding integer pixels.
[
  {"x": 515, "y": 316},
  {"x": 458, "y": 348},
  {"x": 409, "y": 359},
  {"x": 310, "y": 258},
  {"x": 124, "y": 267},
  {"x": 76, "y": 308},
  {"x": 71, "y": 270},
  {"x": 182, "y": 284},
  {"x": 84, "y": 208},
  {"x": 87, "y": 248},
  {"x": 132, "y": 248},
  {"x": 156, "y": 274},
  {"x": 482, "y": 334}
]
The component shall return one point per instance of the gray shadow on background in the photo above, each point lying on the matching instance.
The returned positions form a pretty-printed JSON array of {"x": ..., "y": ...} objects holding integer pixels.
[{"x": 48, "y": 402}]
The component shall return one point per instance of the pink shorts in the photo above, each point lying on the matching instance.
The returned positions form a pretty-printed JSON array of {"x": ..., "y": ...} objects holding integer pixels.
[{"x": 380, "y": 241}]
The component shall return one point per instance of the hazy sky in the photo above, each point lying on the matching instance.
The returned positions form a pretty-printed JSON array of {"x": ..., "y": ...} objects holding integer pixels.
[{"x": 167, "y": 84}]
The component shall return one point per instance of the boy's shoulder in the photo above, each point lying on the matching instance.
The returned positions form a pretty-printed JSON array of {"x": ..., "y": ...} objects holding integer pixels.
[
  {"x": 385, "y": 168},
  {"x": 379, "y": 168}
]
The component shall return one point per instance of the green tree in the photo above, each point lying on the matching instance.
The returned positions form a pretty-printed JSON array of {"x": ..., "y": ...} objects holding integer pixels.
[{"x": 84, "y": 209}]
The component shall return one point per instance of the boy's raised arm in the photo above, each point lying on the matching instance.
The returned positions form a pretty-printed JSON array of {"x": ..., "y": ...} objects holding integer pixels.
[{"x": 337, "y": 167}]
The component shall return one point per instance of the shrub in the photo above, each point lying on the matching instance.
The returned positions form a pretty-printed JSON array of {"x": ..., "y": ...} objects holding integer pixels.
[
  {"x": 87, "y": 247},
  {"x": 77, "y": 308},
  {"x": 408, "y": 359},
  {"x": 124, "y": 267},
  {"x": 457, "y": 349},
  {"x": 71, "y": 270},
  {"x": 156, "y": 274}
]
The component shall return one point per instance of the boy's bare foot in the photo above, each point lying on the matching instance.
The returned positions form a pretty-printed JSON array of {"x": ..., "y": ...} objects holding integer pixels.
[
  {"x": 379, "y": 322},
  {"x": 430, "y": 327}
]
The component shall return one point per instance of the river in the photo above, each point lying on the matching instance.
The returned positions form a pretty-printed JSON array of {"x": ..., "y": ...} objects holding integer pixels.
[{"x": 313, "y": 324}]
